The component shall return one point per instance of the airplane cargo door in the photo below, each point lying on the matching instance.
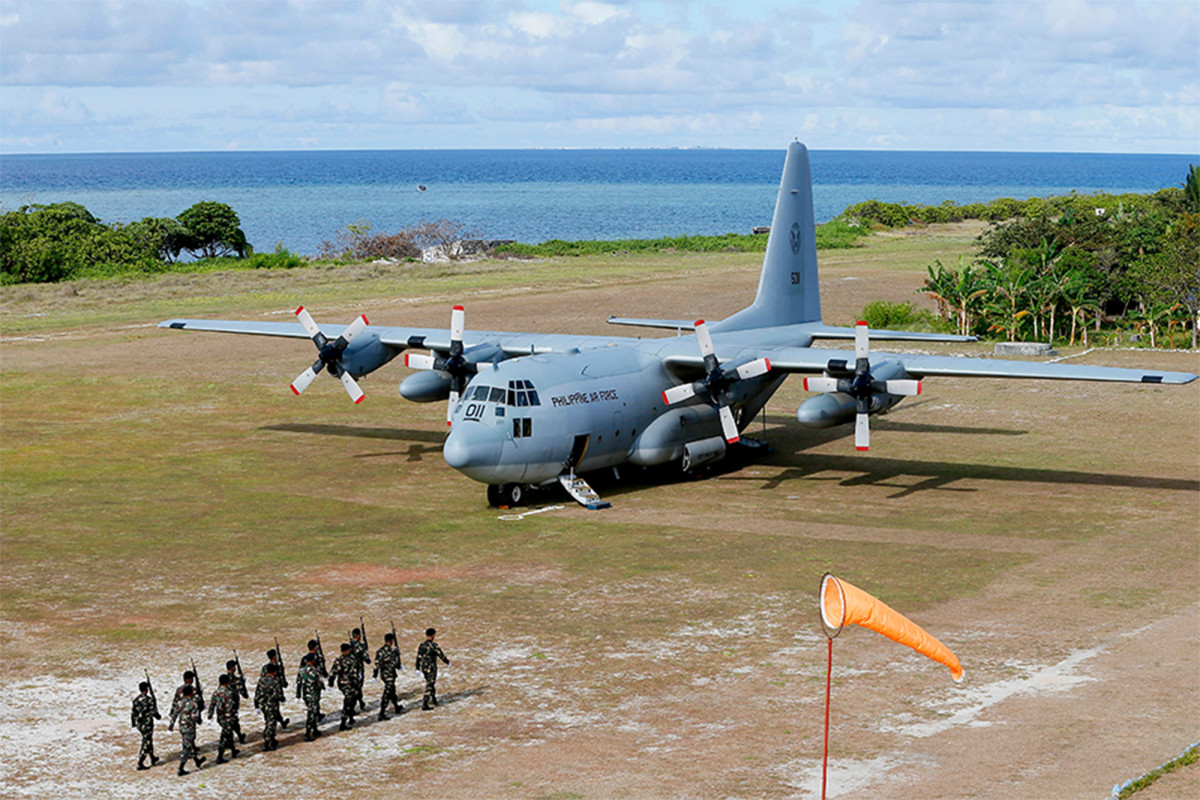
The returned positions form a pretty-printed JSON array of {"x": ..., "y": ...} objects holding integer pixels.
[{"x": 578, "y": 449}]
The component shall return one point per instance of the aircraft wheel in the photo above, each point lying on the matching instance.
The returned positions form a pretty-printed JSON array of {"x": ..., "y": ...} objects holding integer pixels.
[
  {"x": 495, "y": 495},
  {"x": 511, "y": 494}
]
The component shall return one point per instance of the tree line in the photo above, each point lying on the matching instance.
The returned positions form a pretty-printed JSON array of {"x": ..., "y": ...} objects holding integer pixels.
[
  {"x": 1050, "y": 269},
  {"x": 59, "y": 241}
]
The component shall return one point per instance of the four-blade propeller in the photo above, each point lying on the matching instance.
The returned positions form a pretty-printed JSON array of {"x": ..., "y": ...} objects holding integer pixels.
[
  {"x": 454, "y": 364},
  {"x": 329, "y": 354},
  {"x": 860, "y": 385},
  {"x": 716, "y": 381}
]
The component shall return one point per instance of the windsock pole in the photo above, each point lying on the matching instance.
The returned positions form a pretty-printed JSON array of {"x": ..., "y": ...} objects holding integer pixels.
[{"x": 828, "y": 684}]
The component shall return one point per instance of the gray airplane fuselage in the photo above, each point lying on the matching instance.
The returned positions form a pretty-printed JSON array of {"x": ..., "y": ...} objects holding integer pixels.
[{"x": 591, "y": 409}]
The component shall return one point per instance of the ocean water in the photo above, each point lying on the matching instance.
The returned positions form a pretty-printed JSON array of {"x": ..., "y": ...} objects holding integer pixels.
[{"x": 300, "y": 198}]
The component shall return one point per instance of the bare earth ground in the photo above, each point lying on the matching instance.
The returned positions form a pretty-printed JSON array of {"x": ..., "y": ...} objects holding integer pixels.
[{"x": 165, "y": 498}]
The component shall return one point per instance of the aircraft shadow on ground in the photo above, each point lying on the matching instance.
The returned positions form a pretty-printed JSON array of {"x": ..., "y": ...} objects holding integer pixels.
[
  {"x": 422, "y": 442},
  {"x": 294, "y": 735}
]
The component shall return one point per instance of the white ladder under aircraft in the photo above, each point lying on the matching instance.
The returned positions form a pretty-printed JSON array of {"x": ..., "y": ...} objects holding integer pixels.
[{"x": 578, "y": 488}]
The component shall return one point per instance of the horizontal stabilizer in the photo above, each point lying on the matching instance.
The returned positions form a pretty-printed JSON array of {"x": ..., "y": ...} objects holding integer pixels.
[{"x": 667, "y": 324}]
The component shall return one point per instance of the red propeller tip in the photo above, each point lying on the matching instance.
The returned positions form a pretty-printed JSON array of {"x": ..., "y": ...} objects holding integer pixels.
[
  {"x": 698, "y": 323},
  {"x": 734, "y": 440},
  {"x": 863, "y": 449},
  {"x": 861, "y": 322},
  {"x": 361, "y": 397},
  {"x": 298, "y": 310},
  {"x": 459, "y": 308},
  {"x": 666, "y": 402},
  {"x": 365, "y": 320},
  {"x": 294, "y": 389}
]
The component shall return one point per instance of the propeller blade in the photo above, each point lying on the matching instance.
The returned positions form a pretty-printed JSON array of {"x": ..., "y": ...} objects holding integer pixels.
[
  {"x": 705, "y": 339},
  {"x": 677, "y": 394},
  {"x": 301, "y": 383},
  {"x": 821, "y": 384},
  {"x": 908, "y": 388},
  {"x": 356, "y": 394},
  {"x": 862, "y": 340},
  {"x": 419, "y": 361},
  {"x": 862, "y": 432},
  {"x": 728, "y": 426},
  {"x": 307, "y": 322},
  {"x": 457, "y": 323},
  {"x": 354, "y": 328},
  {"x": 753, "y": 369},
  {"x": 450, "y": 405}
]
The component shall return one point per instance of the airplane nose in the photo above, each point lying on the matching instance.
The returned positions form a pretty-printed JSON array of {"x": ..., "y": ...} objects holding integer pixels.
[{"x": 471, "y": 445}]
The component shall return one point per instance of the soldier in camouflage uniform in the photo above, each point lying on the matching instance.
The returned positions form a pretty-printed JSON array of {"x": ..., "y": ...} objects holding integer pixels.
[
  {"x": 187, "y": 711},
  {"x": 427, "y": 657},
  {"x": 387, "y": 661},
  {"x": 189, "y": 678},
  {"x": 308, "y": 687},
  {"x": 362, "y": 655},
  {"x": 237, "y": 688},
  {"x": 142, "y": 717},
  {"x": 223, "y": 703},
  {"x": 347, "y": 681},
  {"x": 318, "y": 658},
  {"x": 273, "y": 658},
  {"x": 268, "y": 693}
]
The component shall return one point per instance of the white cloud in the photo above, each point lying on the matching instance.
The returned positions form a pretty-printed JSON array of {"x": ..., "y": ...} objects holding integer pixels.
[{"x": 874, "y": 73}]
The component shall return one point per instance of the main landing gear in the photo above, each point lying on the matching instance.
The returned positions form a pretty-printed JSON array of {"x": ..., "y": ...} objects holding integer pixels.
[{"x": 508, "y": 494}]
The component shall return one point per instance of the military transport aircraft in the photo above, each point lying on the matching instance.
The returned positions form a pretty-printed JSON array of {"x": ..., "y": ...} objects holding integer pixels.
[{"x": 527, "y": 409}]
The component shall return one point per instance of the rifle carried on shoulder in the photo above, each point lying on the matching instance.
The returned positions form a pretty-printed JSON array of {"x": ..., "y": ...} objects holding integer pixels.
[
  {"x": 320, "y": 652},
  {"x": 396, "y": 644},
  {"x": 241, "y": 688},
  {"x": 199, "y": 688},
  {"x": 154, "y": 699},
  {"x": 279, "y": 659}
]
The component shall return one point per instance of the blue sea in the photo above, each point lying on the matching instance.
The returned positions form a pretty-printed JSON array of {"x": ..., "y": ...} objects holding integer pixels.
[{"x": 300, "y": 198}]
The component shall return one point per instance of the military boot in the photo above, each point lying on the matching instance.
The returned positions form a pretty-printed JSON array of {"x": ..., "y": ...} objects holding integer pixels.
[
  {"x": 182, "y": 771},
  {"x": 399, "y": 709},
  {"x": 153, "y": 760},
  {"x": 220, "y": 755},
  {"x": 200, "y": 760},
  {"x": 141, "y": 763},
  {"x": 383, "y": 715},
  {"x": 233, "y": 751},
  {"x": 241, "y": 737}
]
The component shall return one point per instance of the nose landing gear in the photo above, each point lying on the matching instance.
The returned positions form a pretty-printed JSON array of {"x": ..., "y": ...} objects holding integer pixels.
[{"x": 508, "y": 494}]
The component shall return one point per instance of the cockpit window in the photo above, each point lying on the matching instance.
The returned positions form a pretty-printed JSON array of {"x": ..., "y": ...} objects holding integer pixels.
[
  {"x": 480, "y": 393},
  {"x": 497, "y": 395},
  {"x": 521, "y": 393}
]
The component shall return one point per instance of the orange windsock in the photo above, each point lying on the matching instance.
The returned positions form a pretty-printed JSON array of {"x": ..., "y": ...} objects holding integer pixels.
[{"x": 842, "y": 602}]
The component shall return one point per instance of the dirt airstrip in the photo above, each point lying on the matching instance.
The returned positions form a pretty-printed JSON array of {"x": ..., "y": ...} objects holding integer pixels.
[{"x": 165, "y": 498}]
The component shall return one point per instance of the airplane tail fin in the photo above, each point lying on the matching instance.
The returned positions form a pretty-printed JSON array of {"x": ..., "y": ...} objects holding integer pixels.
[{"x": 788, "y": 291}]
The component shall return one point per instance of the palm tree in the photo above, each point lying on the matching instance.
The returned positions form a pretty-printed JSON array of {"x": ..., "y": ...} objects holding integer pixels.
[{"x": 1009, "y": 285}]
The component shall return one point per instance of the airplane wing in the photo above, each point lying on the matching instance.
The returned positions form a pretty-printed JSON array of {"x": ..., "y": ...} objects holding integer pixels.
[{"x": 808, "y": 360}]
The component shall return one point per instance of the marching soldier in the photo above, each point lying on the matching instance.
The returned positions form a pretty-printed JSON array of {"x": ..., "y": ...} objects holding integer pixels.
[
  {"x": 308, "y": 687},
  {"x": 387, "y": 661},
  {"x": 427, "y": 657},
  {"x": 268, "y": 693},
  {"x": 361, "y": 653},
  {"x": 273, "y": 661},
  {"x": 347, "y": 681},
  {"x": 142, "y": 716},
  {"x": 237, "y": 689},
  {"x": 187, "y": 711},
  {"x": 223, "y": 703},
  {"x": 188, "y": 680},
  {"x": 314, "y": 649}
]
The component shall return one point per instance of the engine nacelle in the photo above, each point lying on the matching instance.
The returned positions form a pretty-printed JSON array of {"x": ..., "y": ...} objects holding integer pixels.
[
  {"x": 426, "y": 386},
  {"x": 835, "y": 408},
  {"x": 366, "y": 354}
]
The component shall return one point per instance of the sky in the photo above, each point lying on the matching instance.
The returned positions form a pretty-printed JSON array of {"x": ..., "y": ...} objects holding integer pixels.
[{"x": 1016, "y": 75}]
